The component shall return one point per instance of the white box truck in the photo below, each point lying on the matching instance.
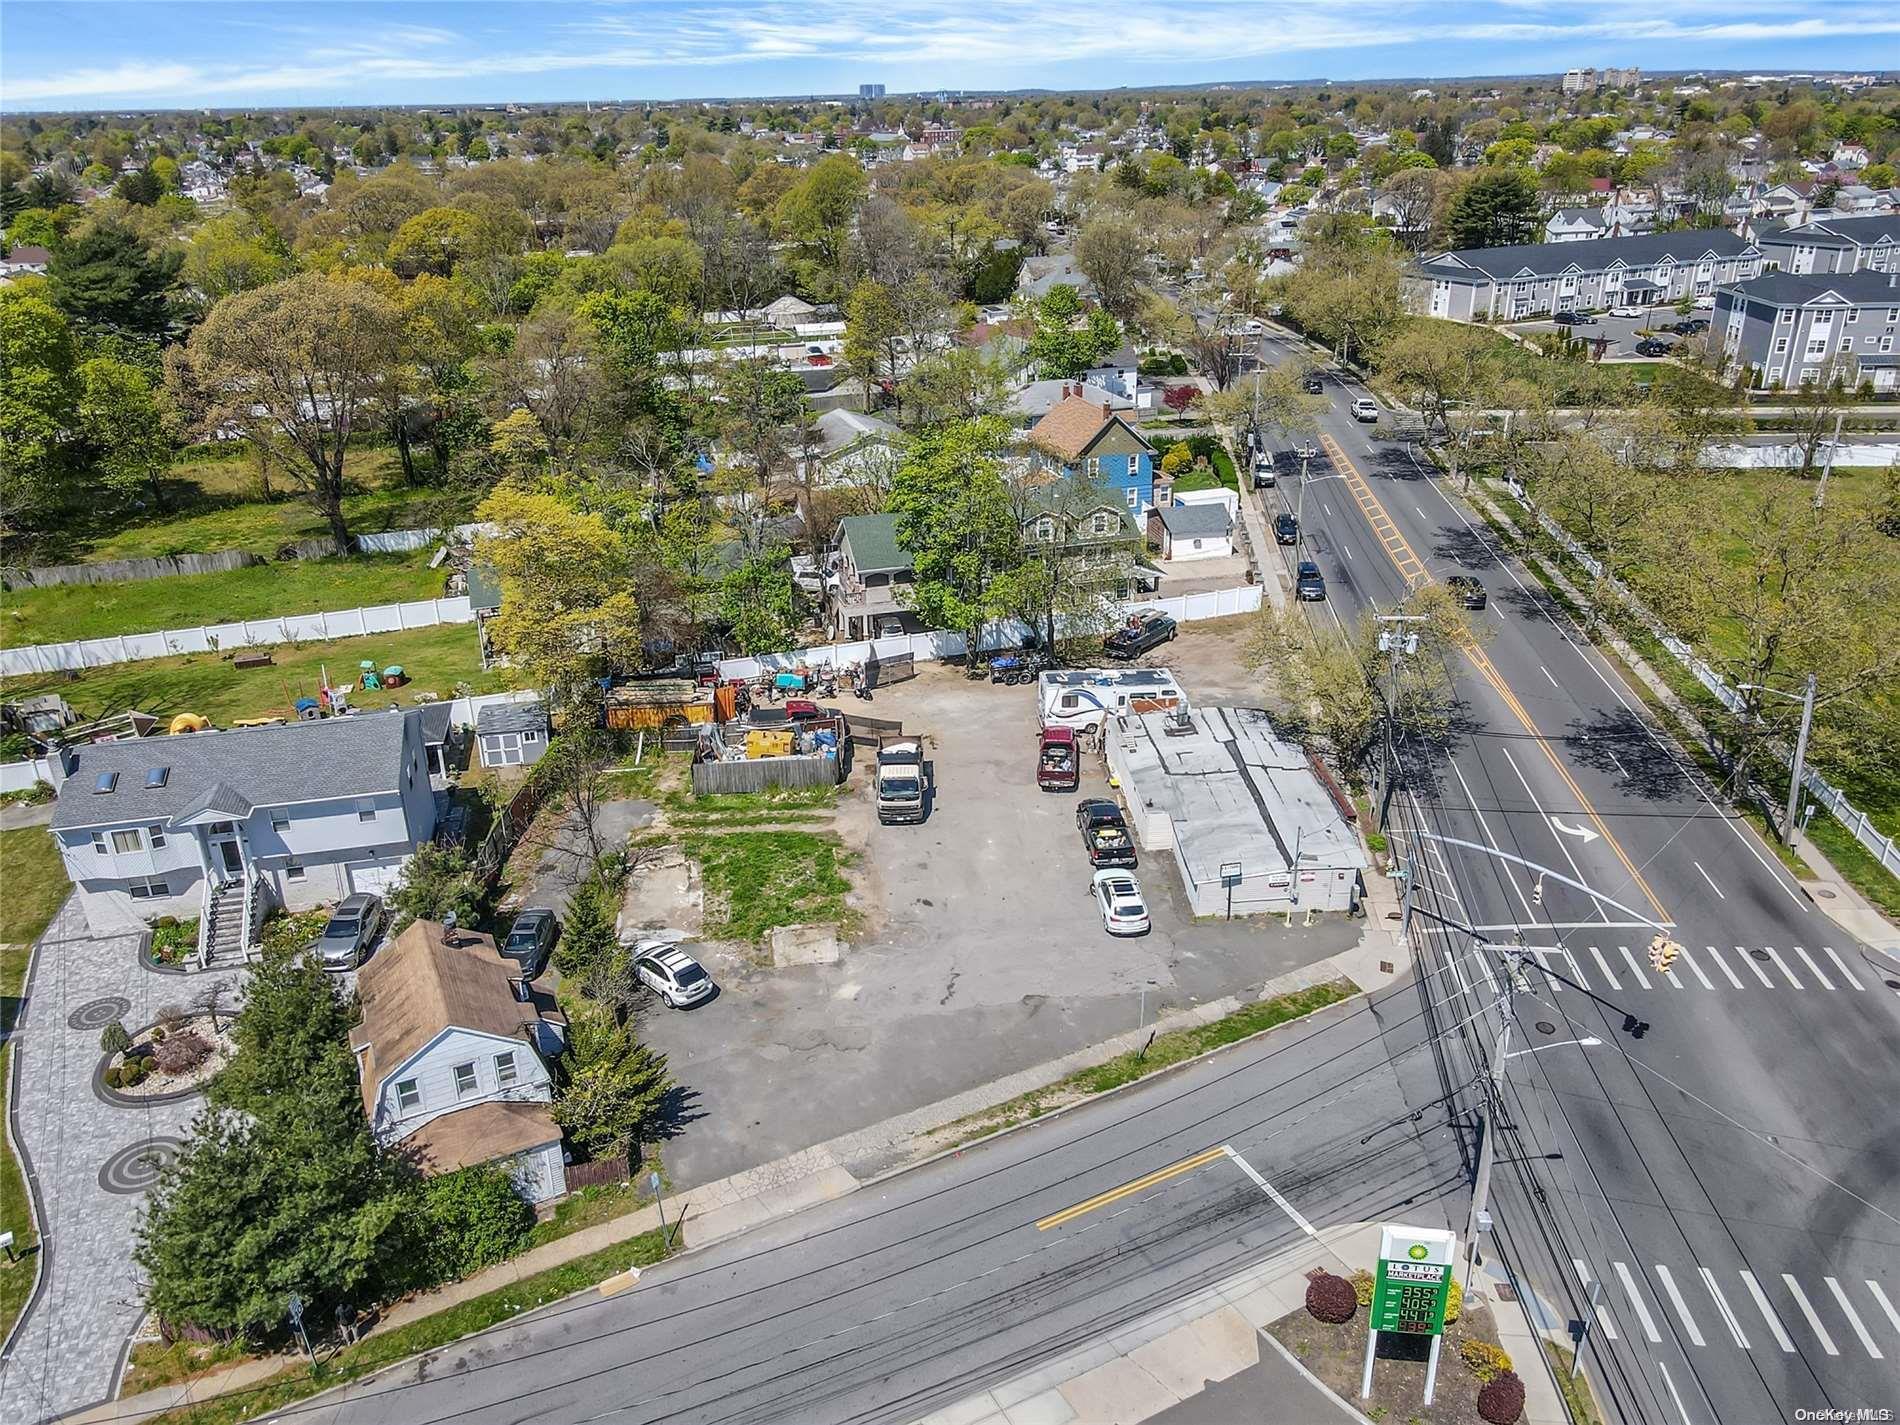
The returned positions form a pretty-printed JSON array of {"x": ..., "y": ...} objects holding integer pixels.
[{"x": 900, "y": 783}]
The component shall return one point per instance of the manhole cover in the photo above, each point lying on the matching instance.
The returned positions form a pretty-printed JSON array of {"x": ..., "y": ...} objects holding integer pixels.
[
  {"x": 1544, "y": 1026},
  {"x": 1761, "y": 955},
  {"x": 1893, "y": 984},
  {"x": 135, "y": 1168},
  {"x": 99, "y": 1013},
  {"x": 1824, "y": 895}
]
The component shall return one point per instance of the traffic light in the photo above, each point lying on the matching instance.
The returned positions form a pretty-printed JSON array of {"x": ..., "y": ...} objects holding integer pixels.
[
  {"x": 1662, "y": 954},
  {"x": 1537, "y": 891}
]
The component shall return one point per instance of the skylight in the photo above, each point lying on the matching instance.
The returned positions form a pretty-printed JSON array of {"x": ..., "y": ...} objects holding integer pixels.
[
  {"x": 157, "y": 776},
  {"x": 107, "y": 781}
]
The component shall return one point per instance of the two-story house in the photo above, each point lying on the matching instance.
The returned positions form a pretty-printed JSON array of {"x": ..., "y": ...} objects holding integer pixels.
[
  {"x": 1574, "y": 225},
  {"x": 868, "y": 578},
  {"x": 1119, "y": 373},
  {"x": 1787, "y": 330},
  {"x": 455, "y": 1062},
  {"x": 220, "y": 825},
  {"x": 1083, "y": 439}
]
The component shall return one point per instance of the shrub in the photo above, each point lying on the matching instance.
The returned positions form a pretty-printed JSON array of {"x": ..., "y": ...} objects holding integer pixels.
[
  {"x": 113, "y": 1077},
  {"x": 113, "y": 1039},
  {"x": 1483, "y": 1360},
  {"x": 170, "y": 1016},
  {"x": 165, "y": 922},
  {"x": 1501, "y": 1401},
  {"x": 132, "y": 1073},
  {"x": 470, "y": 1219},
  {"x": 182, "y": 1052},
  {"x": 1331, "y": 1299},
  {"x": 1454, "y": 1301},
  {"x": 1362, "y": 1284}
]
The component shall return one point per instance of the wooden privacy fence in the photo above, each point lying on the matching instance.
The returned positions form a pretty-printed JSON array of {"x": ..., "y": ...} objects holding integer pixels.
[
  {"x": 758, "y": 774},
  {"x": 129, "y": 571}
]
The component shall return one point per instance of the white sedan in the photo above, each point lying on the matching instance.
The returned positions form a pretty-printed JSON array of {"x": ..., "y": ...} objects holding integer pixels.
[{"x": 1118, "y": 897}]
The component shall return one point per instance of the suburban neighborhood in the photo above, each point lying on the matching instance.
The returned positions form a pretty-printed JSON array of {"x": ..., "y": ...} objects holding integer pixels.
[{"x": 995, "y": 754}]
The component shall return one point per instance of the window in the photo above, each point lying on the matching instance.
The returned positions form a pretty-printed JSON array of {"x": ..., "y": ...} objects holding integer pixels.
[
  {"x": 105, "y": 783},
  {"x": 1781, "y": 343},
  {"x": 145, "y": 890},
  {"x": 1853, "y": 314},
  {"x": 155, "y": 837},
  {"x": 1134, "y": 498},
  {"x": 280, "y": 821},
  {"x": 123, "y": 841},
  {"x": 1093, "y": 466},
  {"x": 464, "y": 1080},
  {"x": 292, "y": 871},
  {"x": 1886, "y": 343},
  {"x": 1105, "y": 522},
  {"x": 1785, "y": 315},
  {"x": 157, "y": 777},
  {"x": 1893, "y": 314},
  {"x": 366, "y": 811},
  {"x": 505, "y": 1069},
  {"x": 408, "y": 1094},
  {"x": 1046, "y": 530},
  {"x": 530, "y": 736},
  {"x": 99, "y": 843}
]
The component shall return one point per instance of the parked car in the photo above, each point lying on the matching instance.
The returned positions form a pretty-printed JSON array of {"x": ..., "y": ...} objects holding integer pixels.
[
  {"x": 1313, "y": 386},
  {"x": 1364, "y": 408},
  {"x": 1145, "y": 629},
  {"x": 1263, "y": 471},
  {"x": 673, "y": 975},
  {"x": 1574, "y": 319},
  {"x": 1308, "y": 582},
  {"x": 1118, "y": 898},
  {"x": 1690, "y": 326},
  {"x": 804, "y": 710},
  {"x": 1628, "y": 309},
  {"x": 1649, "y": 346},
  {"x": 531, "y": 940},
  {"x": 1058, "y": 760},
  {"x": 1705, "y": 303},
  {"x": 1467, "y": 590},
  {"x": 351, "y": 932},
  {"x": 1104, "y": 833},
  {"x": 1286, "y": 529}
]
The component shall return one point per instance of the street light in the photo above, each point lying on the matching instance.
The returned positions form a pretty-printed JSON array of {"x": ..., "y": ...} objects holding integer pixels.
[{"x": 1806, "y": 699}]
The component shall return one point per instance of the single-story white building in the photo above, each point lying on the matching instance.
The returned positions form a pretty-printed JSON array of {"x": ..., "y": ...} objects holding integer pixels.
[{"x": 1194, "y": 529}]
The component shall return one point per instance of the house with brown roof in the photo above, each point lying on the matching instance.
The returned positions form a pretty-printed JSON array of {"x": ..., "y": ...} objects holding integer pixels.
[
  {"x": 1085, "y": 439},
  {"x": 455, "y": 1058}
]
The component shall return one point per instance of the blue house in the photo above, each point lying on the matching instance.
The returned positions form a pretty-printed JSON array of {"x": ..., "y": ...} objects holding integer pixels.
[{"x": 1082, "y": 439}]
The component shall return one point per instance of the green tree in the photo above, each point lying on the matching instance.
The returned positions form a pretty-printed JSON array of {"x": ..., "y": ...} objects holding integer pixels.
[
  {"x": 38, "y": 406},
  {"x": 33, "y": 227},
  {"x": 437, "y": 239},
  {"x": 122, "y": 426},
  {"x": 818, "y": 209},
  {"x": 233, "y": 253},
  {"x": 437, "y": 881},
  {"x": 954, "y": 518},
  {"x": 587, "y": 934},
  {"x": 467, "y": 1220},
  {"x": 873, "y": 336},
  {"x": 107, "y": 278},
  {"x": 1111, "y": 253},
  {"x": 1497, "y": 208},
  {"x": 758, "y": 604},
  {"x": 1067, "y": 341},
  {"x": 617, "y": 1088}
]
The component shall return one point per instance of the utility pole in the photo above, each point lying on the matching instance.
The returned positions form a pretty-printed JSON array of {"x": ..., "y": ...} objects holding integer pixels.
[
  {"x": 1393, "y": 642},
  {"x": 1801, "y": 742},
  {"x": 1299, "y": 516},
  {"x": 1487, "y": 1120},
  {"x": 1827, "y": 468}
]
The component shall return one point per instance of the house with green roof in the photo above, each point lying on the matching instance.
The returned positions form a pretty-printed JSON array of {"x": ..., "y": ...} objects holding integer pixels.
[{"x": 867, "y": 580}]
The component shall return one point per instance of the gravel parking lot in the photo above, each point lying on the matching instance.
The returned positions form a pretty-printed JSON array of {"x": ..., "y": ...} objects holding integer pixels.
[{"x": 982, "y": 952}]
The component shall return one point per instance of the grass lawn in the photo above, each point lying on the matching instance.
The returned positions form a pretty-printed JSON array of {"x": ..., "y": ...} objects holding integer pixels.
[
  {"x": 760, "y": 880},
  {"x": 35, "y": 881},
  {"x": 16, "y": 1277},
  {"x": 205, "y": 683},
  {"x": 1221, "y": 477},
  {"x": 298, "y": 586},
  {"x": 427, "y": 1334}
]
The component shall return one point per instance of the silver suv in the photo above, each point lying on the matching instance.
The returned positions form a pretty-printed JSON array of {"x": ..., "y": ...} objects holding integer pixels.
[{"x": 351, "y": 933}]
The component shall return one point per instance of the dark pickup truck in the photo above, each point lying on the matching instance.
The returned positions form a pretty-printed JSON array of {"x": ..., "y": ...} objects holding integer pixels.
[{"x": 1105, "y": 834}]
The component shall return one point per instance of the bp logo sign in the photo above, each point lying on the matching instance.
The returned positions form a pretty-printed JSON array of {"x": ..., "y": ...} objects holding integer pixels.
[
  {"x": 1413, "y": 1283},
  {"x": 1418, "y": 1251}
]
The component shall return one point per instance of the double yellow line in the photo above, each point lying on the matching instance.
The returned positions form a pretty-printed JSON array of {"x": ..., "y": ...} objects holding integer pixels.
[
  {"x": 1159, "y": 1175},
  {"x": 1412, "y": 569}
]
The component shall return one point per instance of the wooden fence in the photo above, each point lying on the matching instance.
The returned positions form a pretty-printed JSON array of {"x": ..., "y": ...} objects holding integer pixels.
[
  {"x": 127, "y": 571},
  {"x": 596, "y": 1174},
  {"x": 758, "y": 774}
]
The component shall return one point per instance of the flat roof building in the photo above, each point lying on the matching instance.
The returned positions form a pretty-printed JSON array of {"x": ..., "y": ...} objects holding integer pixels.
[{"x": 1253, "y": 823}]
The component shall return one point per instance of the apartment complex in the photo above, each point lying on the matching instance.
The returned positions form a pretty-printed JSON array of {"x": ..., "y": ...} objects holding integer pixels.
[
  {"x": 1869, "y": 243},
  {"x": 1535, "y": 279},
  {"x": 1787, "y": 329}
]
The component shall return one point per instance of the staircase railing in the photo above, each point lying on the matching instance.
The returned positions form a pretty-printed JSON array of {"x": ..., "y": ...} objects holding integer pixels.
[
  {"x": 204, "y": 922},
  {"x": 253, "y": 903}
]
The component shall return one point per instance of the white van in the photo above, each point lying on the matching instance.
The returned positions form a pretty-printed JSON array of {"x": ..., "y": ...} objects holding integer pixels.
[{"x": 1264, "y": 474}]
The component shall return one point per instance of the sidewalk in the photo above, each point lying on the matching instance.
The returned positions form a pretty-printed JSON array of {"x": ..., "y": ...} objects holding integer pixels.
[
  {"x": 1157, "y": 1367},
  {"x": 723, "y": 1209}
]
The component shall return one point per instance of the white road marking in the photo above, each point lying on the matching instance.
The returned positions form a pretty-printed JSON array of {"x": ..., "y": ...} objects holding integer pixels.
[
  {"x": 1885, "y": 1305},
  {"x": 1782, "y": 965},
  {"x": 1808, "y": 960},
  {"x": 1603, "y": 1312},
  {"x": 1841, "y": 965},
  {"x": 1680, "y": 1409},
  {"x": 1635, "y": 969},
  {"x": 1604, "y": 965},
  {"x": 1807, "y": 1310},
  {"x": 1348, "y": 549},
  {"x": 1618, "y": 765},
  {"x": 1721, "y": 1305},
  {"x": 1682, "y": 1307},
  {"x": 1853, "y": 1318},
  {"x": 1636, "y": 1302},
  {"x": 1545, "y": 965},
  {"x": 1546, "y": 672},
  {"x": 1576, "y": 968},
  {"x": 1421, "y": 513},
  {"x": 1696, "y": 969},
  {"x": 1722, "y": 965},
  {"x": 1759, "y": 973},
  {"x": 1710, "y": 879},
  {"x": 1564, "y": 844},
  {"x": 1288, "y": 1208},
  {"x": 1485, "y": 826},
  {"x": 1767, "y": 1312}
]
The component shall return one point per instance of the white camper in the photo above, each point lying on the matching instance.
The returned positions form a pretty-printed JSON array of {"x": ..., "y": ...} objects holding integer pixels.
[{"x": 1088, "y": 697}]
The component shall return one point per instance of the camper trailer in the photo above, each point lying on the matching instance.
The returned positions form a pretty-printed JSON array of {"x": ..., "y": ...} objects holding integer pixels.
[{"x": 1088, "y": 697}]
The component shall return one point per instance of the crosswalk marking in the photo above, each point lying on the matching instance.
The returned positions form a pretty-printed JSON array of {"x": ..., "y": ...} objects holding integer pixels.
[
  {"x": 1853, "y": 1318},
  {"x": 1682, "y": 1307},
  {"x": 1603, "y": 1312},
  {"x": 1885, "y": 1305},
  {"x": 1635, "y": 969},
  {"x": 1808, "y": 960},
  {"x": 1722, "y": 965},
  {"x": 1721, "y": 1305},
  {"x": 1782, "y": 965},
  {"x": 1759, "y": 973},
  {"x": 1604, "y": 965},
  {"x": 1696, "y": 969},
  {"x": 1556, "y": 985},
  {"x": 1636, "y": 1303},
  {"x": 1767, "y": 1312},
  {"x": 1807, "y": 1310},
  {"x": 1841, "y": 965}
]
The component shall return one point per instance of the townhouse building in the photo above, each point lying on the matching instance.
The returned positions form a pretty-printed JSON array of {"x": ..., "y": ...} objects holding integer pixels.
[
  {"x": 1535, "y": 279},
  {"x": 1787, "y": 329},
  {"x": 1836, "y": 244}
]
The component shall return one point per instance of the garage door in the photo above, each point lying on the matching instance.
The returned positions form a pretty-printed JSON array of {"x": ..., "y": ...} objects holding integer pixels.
[
  {"x": 377, "y": 876},
  {"x": 502, "y": 749}
]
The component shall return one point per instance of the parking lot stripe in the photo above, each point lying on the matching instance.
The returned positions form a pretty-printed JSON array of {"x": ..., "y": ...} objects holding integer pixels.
[
  {"x": 1853, "y": 1318},
  {"x": 1160, "y": 1175},
  {"x": 1767, "y": 1312},
  {"x": 1807, "y": 1310}
]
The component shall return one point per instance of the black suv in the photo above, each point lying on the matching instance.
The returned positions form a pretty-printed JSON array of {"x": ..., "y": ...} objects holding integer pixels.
[
  {"x": 1649, "y": 346},
  {"x": 1313, "y": 386},
  {"x": 531, "y": 940},
  {"x": 1104, "y": 833},
  {"x": 1574, "y": 319},
  {"x": 1286, "y": 529},
  {"x": 1467, "y": 590},
  {"x": 1308, "y": 582},
  {"x": 1145, "y": 629}
]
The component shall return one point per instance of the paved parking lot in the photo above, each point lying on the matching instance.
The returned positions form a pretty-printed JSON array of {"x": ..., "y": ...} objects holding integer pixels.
[
  {"x": 1623, "y": 332},
  {"x": 983, "y": 953}
]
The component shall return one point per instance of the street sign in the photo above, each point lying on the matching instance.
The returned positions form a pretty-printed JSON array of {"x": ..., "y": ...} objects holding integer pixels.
[
  {"x": 295, "y": 1306},
  {"x": 653, "y": 1183}
]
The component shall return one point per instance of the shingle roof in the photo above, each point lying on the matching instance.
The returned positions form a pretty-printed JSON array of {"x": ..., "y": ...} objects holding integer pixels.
[
  {"x": 511, "y": 717},
  {"x": 416, "y": 986},
  {"x": 480, "y": 1133},
  {"x": 1196, "y": 521},
  {"x": 1788, "y": 289},
  {"x": 432, "y": 721},
  {"x": 1864, "y": 230},
  {"x": 1038, "y": 397},
  {"x": 336, "y": 757},
  {"x": 843, "y": 429},
  {"x": 1072, "y": 426},
  {"x": 873, "y": 541},
  {"x": 1545, "y": 259}
]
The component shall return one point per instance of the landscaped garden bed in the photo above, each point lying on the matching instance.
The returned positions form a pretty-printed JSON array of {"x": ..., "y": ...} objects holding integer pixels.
[
  {"x": 177, "y": 1055},
  {"x": 174, "y": 943}
]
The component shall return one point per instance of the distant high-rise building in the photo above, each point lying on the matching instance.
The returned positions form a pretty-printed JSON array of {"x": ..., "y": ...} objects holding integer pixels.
[
  {"x": 1631, "y": 78},
  {"x": 870, "y": 91},
  {"x": 1579, "y": 81}
]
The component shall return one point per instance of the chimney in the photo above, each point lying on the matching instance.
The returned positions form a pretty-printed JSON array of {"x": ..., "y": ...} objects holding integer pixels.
[{"x": 1108, "y": 411}]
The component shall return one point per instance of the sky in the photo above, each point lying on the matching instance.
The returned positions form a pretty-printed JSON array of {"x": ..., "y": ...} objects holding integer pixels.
[{"x": 70, "y": 54}]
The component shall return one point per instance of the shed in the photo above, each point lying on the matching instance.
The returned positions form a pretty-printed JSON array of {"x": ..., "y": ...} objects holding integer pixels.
[
  {"x": 512, "y": 734},
  {"x": 1193, "y": 531}
]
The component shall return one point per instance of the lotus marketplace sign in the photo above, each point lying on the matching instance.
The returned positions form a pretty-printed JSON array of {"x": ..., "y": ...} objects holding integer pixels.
[{"x": 1410, "y": 1292}]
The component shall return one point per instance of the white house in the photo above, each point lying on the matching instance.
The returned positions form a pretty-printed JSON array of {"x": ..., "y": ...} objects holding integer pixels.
[
  {"x": 219, "y": 825},
  {"x": 1195, "y": 528},
  {"x": 852, "y": 447},
  {"x": 1120, "y": 373},
  {"x": 454, "y": 1062}
]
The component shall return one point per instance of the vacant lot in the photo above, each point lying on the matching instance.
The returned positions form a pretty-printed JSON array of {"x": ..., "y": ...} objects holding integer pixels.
[{"x": 74, "y": 611}]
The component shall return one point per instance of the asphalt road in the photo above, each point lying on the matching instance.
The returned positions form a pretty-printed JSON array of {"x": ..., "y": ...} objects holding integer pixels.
[
  {"x": 1732, "y": 1176},
  {"x": 908, "y": 1295}
]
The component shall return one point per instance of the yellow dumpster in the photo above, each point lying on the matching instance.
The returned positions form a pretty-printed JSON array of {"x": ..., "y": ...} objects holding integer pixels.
[{"x": 768, "y": 742}]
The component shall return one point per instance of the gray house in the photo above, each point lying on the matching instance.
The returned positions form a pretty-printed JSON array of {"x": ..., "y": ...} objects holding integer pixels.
[
  {"x": 1836, "y": 245},
  {"x": 1534, "y": 279},
  {"x": 512, "y": 734},
  {"x": 1784, "y": 329},
  {"x": 868, "y": 580}
]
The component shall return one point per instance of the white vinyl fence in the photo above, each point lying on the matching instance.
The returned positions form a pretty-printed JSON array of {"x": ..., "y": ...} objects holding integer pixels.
[
  {"x": 930, "y": 647},
  {"x": 18, "y": 776},
  {"x": 217, "y": 638},
  {"x": 1885, "y": 848},
  {"x": 1853, "y": 454}
]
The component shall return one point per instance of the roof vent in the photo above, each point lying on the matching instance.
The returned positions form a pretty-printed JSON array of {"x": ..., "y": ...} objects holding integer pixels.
[
  {"x": 105, "y": 783},
  {"x": 1179, "y": 724},
  {"x": 157, "y": 777}
]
